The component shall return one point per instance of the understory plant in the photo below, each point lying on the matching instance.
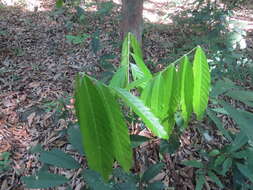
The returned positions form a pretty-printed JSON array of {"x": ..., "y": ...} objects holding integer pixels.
[
  {"x": 181, "y": 89},
  {"x": 155, "y": 99},
  {"x": 235, "y": 157},
  {"x": 211, "y": 25}
]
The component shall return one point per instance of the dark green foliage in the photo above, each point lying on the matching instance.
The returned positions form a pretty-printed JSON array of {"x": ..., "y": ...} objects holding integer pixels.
[
  {"x": 4, "y": 161},
  {"x": 210, "y": 25},
  {"x": 95, "y": 42},
  {"x": 58, "y": 158},
  {"x": 125, "y": 181},
  {"x": 77, "y": 39},
  {"x": 59, "y": 3},
  {"x": 75, "y": 138},
  {"x": 137, "y": 140},
  {"x": 237, "y": 154},
  {"x": 170, "y": 146},
  {"x": 151, "y": 172},
  {"x": 193, "y": 163},
  {"x": 105, "y": 8},
  {"x": 36, "y": 149},
  {"x": 158, "y": 185},
  {"x": 95, "y": 181},
  {"x": 44, "y": 180}
]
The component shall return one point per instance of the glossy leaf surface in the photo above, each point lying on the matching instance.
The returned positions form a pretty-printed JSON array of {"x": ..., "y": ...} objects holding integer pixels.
[
  {"x": 119, "y": 130},
  {"x": 105, "y": 135},
  {"x": 202, "y": 81},
  {"x": 143, "y": 112},
  {"x": 186, "y": 89}
]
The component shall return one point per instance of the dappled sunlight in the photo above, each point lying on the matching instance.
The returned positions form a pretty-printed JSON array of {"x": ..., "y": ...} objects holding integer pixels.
[
  {"x": 30, "y": 5},
  {"x": 156, "y": 11}
]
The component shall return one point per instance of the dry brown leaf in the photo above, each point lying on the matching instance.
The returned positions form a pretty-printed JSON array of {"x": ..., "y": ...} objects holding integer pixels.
[{"x": 30, "y": 119}]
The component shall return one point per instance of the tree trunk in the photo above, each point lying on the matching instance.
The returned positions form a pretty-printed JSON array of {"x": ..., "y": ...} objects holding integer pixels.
[{"x": 132, "y": 20}]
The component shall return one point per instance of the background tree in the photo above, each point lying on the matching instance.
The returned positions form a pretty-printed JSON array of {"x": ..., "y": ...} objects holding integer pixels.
[{"x": 132, "y": 20}]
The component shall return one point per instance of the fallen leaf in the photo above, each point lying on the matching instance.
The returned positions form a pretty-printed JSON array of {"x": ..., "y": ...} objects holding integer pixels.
[{"x": 30, "y": 118}]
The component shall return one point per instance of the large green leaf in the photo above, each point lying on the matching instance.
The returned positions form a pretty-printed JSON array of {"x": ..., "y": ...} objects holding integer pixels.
[
  {"x": 138, "y": 75},
  {"x": 161, "y": 96},
  {"x": 136, "y": 46},
  {"x": 120, "y": 78},
  {"x": 202, "y": 80},
  {"x": 143, "y": 112},
  {"x": 245, "y": 171},
  {"x": 95, "y": 126},
  {"x": 125, "y": 52},
  {"x": 102, "y": 125},
  {"x": 136, "y": 72},
  {"x": 120, "y": 137},
  {"x": 141, "y": 65},
  {"x": 186, "y": 89},
  {"x": 222, "y": 86},
  {"x": 241, "y": 95},
  {"x": 44, "y": 180},
  {"x": 153, "y": 96},
  {"x": 140, "y": 70},
  {"x": 171, "y": 97},
  {"x": 59, "y": 158},
  {"x": 219, "y": 124},
  {"x": 147, "y": 93},
  {"x": 137, "y": 83}
]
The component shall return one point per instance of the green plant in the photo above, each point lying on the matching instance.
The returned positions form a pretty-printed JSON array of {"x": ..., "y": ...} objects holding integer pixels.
[
  {"x": 59, "y": 107},
  {"x": 203, "y": 170},
  {"x": 123, "y": 180},
  {"x": 77, "y": 39},
  {"x": 236, "y": 156},
  {"x": 103, "y": 130},
  {"x": 57, "y": 158},
  {"x": 105, "y": 8},
  {"x": 4, "y": 161},
  {"x": 3, "y": 33},
  {"x": 210, "y": 25},
  {"x": 156, "y": 105}
]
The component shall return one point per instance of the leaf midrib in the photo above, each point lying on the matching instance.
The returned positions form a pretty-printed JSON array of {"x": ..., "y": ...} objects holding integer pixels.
[{"x": 94, "y": 121}]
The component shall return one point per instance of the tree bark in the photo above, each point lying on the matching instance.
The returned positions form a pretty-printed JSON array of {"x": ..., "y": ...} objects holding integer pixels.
[{"x": 132, "y": 20}]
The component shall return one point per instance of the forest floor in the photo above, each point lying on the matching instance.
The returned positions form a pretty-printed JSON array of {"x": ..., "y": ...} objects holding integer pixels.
[{"x": 37, "y": 70}]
